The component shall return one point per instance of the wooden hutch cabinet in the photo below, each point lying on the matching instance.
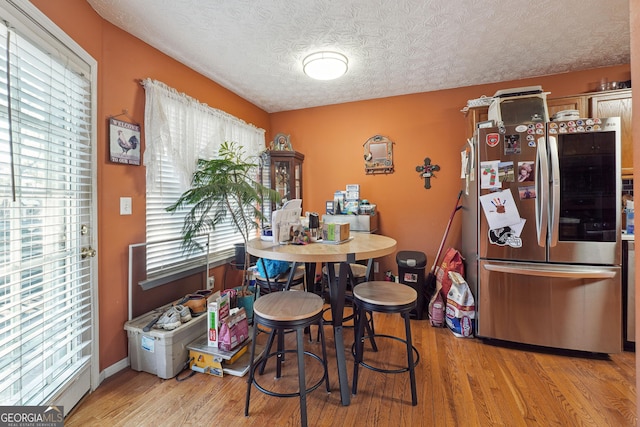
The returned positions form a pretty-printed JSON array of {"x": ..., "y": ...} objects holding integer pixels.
[
  {"x": 282, "y": 171},
  {"x": 614, "y": 103}
]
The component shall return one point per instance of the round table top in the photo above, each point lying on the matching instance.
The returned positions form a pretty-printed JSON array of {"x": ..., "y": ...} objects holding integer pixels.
[{"x": 360, "y": 246}]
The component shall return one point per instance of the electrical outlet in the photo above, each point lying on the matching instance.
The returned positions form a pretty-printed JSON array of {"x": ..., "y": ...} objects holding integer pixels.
[
  {"x": 125, "y": 206},
  {"x": 376, "y": 267},
  {"x": 211, "y": 282}
]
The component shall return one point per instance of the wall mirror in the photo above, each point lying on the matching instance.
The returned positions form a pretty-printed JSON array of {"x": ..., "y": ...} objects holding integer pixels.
[{"x": 378, "y": 155}]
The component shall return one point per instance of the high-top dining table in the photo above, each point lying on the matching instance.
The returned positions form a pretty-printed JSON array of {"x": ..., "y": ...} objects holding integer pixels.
[{"x": 360, "y": 246}]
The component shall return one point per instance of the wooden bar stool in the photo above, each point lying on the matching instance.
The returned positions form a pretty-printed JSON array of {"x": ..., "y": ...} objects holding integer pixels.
[
  {"x": 282, "y": 311},
  {"x": 357, "y": 273},
  {"x": 385, "y": 297}
]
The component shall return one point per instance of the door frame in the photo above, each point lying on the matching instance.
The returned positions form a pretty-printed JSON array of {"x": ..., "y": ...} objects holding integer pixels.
[{"x": 30, "y": 17}]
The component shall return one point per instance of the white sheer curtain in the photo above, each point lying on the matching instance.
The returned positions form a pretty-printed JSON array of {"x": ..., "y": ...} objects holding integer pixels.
[
  {"x": 184, "y": 130},
  {"x": 179, "y": 130}
]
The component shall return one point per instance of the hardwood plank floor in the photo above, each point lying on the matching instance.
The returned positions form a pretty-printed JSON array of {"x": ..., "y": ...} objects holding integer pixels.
[{"x": 461, "y": 382}]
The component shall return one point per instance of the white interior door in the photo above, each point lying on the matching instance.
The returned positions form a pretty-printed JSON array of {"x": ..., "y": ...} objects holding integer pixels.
[{"x": 47, "y": 219}]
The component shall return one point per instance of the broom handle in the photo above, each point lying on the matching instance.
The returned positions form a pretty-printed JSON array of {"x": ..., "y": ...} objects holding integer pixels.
[{"x": 446, "y": 233}]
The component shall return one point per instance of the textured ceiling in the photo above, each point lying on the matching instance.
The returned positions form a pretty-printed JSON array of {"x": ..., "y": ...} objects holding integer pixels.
[{"x": 255, "y": 47}]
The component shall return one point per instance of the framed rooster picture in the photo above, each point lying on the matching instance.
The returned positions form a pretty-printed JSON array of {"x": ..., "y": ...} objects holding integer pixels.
[{"x": 124, "y": 142}]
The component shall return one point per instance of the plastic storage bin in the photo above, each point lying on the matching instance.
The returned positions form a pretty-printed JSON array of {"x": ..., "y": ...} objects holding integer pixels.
[
  {"x": 160, "y": 352},
  {"x": 411, "y": 266}
]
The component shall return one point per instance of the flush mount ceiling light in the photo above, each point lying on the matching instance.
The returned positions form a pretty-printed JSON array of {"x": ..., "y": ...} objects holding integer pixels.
[{"x": 325, "y": 65}]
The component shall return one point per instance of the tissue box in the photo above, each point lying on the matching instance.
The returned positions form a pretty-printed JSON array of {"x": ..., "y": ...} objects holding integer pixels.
[{"x": 335, "y": 232}]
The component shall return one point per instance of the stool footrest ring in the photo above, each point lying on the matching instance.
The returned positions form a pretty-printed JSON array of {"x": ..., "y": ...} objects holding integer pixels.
[
  {"x": 293, "y": 394},
  {"x": 387, "y": 371}
]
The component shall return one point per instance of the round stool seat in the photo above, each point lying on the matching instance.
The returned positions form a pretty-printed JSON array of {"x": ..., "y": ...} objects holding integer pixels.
[
  {"x": 280, "y": 281},
  {"x": 389, "y": 294},
  {"x": 359, "y": 271},
  {"x": 283, "y": 277},
  {"x": 288, "y": 306}
]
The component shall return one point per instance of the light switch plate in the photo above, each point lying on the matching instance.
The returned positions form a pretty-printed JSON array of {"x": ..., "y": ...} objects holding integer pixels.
[{"x": 125, "y": 206}]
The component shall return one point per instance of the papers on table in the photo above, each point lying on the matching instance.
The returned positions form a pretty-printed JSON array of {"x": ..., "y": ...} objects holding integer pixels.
[{"x": 283, "y": 220}]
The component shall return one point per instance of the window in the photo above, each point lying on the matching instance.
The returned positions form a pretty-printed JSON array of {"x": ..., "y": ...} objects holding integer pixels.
[
  {"x": 178, "y": 131},
  {"x": 46, "y": 193}
]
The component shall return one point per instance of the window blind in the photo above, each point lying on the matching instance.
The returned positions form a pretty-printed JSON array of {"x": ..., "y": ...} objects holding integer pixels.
[
  {"x": 178, "y": 131},
  {"x": 45, "y": 196}
]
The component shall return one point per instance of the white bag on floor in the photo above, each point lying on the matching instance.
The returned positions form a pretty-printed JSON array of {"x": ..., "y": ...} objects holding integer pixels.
[{"x": 461, "y": 310}]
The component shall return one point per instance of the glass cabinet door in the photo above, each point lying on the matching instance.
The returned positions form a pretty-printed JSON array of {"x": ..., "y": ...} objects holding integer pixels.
[
  {"x": 282, "y": 179},
  {"x": 282, "y": 171}
]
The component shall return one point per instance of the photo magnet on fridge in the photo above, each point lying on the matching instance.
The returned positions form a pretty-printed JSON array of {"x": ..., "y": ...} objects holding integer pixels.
[
  {"x": 489, "y": 175},
  {"x": 512, "y": 144}
]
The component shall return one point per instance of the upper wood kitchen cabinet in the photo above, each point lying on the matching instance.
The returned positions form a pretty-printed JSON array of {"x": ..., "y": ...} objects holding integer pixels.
[
  {"x": 574, "y": 102},
  {"x": 474, "y": 116},
  {"x": 617, "y": 104}
]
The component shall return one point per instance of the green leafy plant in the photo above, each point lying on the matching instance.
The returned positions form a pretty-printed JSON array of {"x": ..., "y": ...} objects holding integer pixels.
[{"x": 224, "y": 187}]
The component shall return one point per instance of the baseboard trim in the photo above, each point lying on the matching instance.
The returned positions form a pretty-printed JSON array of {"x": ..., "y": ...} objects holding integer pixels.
[{"x": 114, "y": 369}]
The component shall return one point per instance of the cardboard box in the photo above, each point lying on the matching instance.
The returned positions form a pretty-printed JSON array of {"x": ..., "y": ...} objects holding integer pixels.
[
  {"x": 335, "y": 232},
  {"x": 217, "y": 362},
  {"x": 217, "y": 310},
  {"x": 234, "y": 330},
  {"x": 365, "y": 223},
  {"x": 161, "y": 352}
]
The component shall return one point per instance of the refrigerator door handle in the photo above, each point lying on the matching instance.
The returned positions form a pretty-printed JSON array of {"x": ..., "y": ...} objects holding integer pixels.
[
  {"x": 575, "y": 273},
  {"x": 542, "y": 185},
  {"x": 554, "y": 206}
]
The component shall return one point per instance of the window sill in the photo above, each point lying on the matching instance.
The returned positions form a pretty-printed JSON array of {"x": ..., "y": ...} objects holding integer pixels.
[{"x": 176, "y": 274}]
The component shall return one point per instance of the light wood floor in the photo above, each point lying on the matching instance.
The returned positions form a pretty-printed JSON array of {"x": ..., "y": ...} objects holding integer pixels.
[{"x": 461, "y": 382}]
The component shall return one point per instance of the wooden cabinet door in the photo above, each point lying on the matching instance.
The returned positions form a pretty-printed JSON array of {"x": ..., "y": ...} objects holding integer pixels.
[
  {"x": 476, "y": 115},
  {"x": 568, "y": 103},
  {"x": 617, "y": 104}
]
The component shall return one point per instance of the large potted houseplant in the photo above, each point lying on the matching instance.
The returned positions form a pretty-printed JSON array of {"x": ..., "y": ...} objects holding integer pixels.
[{"x": 221, "y": 188}]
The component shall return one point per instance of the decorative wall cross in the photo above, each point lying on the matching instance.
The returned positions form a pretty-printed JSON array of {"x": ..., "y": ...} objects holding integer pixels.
[{"x": 426, "y": 171}]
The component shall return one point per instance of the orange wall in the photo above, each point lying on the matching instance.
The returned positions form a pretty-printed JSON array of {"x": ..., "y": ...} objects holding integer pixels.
[
  {"x": 421, "y": 125},
  {"x": 123, "y": 61}
]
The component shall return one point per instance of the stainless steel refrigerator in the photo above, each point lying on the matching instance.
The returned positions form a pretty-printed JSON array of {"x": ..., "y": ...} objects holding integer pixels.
[{"x": 541, "y": 233}]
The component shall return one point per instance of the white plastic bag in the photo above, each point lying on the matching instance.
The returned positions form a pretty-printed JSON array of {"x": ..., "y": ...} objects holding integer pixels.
[{"x": 461, "y": 310}]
